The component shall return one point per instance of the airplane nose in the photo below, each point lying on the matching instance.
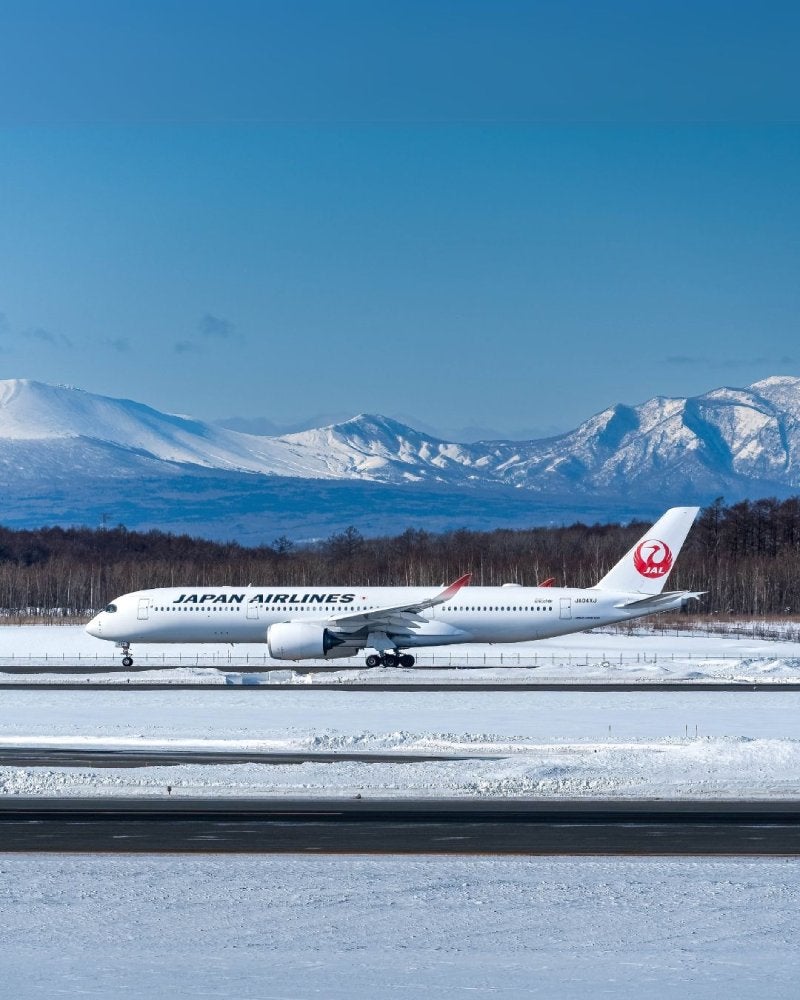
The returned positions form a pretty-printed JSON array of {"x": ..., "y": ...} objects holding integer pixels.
[{"x": 95, "y": 627}]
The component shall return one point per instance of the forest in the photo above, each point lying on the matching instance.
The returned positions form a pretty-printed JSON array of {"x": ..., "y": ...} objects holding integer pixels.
[{"x": 745, "y": 555}]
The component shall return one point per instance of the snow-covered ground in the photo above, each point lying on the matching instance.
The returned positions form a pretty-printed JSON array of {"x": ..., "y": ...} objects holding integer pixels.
[
  {"x": 537, "y": 743},
  {"x": 588, "y": 655},
  {"x": 562, "y": 743},
  {"x": 296, "y": 928}
]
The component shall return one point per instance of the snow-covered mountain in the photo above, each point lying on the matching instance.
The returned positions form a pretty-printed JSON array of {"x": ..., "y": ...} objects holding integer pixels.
[
  {"x": 36, "y": 418},
  {"x": 737, "y": 442},
  {"x": 721, "y": 440}
]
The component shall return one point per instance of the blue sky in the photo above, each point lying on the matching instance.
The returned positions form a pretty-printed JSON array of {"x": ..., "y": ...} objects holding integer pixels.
[{"x": 501, "y": 216}]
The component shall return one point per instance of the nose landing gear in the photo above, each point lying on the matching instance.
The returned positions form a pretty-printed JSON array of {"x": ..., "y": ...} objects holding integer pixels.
[{"x": 127, "y": 659}]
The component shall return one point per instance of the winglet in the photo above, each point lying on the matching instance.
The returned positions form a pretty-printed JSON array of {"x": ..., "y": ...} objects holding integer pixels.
[{"x": 453, "y": 589}]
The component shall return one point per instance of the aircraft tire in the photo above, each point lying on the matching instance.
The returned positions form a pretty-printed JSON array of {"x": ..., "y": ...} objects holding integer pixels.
[{"x": 373, "y": 660}]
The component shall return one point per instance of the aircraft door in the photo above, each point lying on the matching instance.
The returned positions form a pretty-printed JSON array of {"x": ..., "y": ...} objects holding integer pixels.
[
  {"x": 566, "y": 607},
  {"x": 144, "y": 609},
  {"x": 252, "y": 611}
]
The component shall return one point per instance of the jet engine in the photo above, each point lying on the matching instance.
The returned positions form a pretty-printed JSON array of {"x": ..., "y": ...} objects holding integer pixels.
[{"x": 303, "y": 641}]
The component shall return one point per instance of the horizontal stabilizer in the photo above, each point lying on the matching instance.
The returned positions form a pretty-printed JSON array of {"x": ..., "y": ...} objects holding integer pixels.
[{"x": 660, "y": 602}]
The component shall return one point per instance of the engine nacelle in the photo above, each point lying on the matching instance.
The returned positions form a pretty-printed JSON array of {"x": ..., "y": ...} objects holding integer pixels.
[{"x": 303, "y": 641}]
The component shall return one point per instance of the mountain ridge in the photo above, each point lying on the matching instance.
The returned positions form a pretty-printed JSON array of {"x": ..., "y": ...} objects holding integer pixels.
[{"x": 737, "y": 442}]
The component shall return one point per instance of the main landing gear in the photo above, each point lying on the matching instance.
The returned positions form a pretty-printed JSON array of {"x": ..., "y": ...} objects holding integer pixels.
[{"x": 391, "y": 660}]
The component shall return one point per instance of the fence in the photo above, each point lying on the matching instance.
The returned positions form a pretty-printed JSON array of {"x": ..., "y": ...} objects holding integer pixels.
[{"x": 462, "y": 661}]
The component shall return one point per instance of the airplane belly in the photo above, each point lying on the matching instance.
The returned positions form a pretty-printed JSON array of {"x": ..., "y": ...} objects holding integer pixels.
[{"x": 507, "y": 632}]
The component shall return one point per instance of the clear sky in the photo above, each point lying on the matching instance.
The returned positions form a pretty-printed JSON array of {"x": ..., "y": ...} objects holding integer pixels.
[{"x": 495, "y": 215}]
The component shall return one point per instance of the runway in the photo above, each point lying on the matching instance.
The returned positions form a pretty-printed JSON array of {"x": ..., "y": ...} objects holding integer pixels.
[
  {"x": 400, "y": 826},
  {"x": 150, "y": 757}
]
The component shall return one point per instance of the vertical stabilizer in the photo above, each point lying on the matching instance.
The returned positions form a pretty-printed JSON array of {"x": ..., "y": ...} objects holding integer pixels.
[{"x": 645, "y": 569}]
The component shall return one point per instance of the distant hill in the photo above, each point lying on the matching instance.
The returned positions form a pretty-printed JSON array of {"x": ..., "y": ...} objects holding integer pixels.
[{"x": 69, "y": 456}]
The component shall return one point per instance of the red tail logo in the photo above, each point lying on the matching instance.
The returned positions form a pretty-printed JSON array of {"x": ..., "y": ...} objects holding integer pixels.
[{"x": 652, "y": 558}]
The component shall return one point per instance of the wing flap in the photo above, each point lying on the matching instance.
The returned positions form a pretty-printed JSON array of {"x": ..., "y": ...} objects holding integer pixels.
[{"x": 397, "y": 616}]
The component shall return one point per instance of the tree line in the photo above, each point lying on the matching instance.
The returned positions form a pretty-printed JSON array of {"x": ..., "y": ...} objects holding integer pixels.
[{"x": 746, "y": 555}]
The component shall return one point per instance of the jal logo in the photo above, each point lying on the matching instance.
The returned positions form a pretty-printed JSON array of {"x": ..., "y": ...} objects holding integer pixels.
[{"x": 652, "y": 558}]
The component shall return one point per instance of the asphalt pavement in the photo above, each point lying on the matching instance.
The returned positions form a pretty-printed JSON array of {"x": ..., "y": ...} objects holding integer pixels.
[
  {"x": 43, "y": 756},
  {"x": 170, "y": 824}
]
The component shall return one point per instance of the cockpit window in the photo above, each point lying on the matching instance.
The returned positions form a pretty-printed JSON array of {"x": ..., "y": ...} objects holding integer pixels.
[{"x": 111, "y": 608}]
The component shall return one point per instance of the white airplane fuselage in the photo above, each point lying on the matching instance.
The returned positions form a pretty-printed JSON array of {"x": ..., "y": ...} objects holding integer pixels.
[
  {"x": 305, "y": 623},
  {"x": 245, "y": 614}
]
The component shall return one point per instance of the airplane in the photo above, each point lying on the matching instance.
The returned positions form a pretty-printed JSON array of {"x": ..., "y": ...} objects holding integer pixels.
[{"x": 327, "y": 622}]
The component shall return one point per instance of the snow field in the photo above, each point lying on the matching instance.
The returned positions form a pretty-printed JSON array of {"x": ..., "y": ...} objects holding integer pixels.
[
  {"x": 295, "y": 928},
  {"x": 562, "y": 744},
  {"x": 587, "y": 655}
]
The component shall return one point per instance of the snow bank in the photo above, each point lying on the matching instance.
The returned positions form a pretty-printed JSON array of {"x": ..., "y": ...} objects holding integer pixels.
[
  {"x": 700, "y": 769},
  {"x": 551, "y": 744}
]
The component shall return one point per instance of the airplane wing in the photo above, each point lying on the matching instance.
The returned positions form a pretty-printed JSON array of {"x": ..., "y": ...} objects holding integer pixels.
[{"x": 398, "y": 615}]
